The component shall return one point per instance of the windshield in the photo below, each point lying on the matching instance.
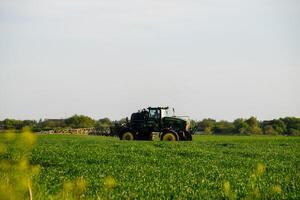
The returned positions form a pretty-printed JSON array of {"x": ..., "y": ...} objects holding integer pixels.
[
  {"x": 167, "y": 112},
  {"x": 154, "y": 113}
]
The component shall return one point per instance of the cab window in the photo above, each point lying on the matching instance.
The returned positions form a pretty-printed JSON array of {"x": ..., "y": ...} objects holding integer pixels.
[{"x": 154, "y": 114}]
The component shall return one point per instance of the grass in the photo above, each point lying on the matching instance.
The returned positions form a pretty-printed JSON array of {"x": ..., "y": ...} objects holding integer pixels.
[{"x": 210, "y": 167}]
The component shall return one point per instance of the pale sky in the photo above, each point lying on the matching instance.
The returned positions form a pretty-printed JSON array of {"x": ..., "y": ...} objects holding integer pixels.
[{"x": 221, "y": 59}]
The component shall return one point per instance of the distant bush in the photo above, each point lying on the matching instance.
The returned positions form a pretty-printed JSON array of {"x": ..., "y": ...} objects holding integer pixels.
[
  {"x": 208, "y": 131},
  {"x": 206, "y": 124},
  {"x": 294, "y": 132},
  {"x": 12, "y": 124},
  {"x": 104, "y": 126},
  {"x": 224, "y": 127},
  {"x": 80, "y": 121},
  {"x": 269, "y": 130},
  {"x": 240, "y": 126},
  {"x": 274, "y": 127},
  {"x": 256, "y": 130},
  {"x": 51, "y": 124},
  {"x": 292, "y": 124}
]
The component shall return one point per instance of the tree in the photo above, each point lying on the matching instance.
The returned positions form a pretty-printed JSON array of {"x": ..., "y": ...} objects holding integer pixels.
[
  {"x": 269, "y": 130},
  {"x": 1, "y": 125},
  {"x": 104, "y": 125},
  {"x": 122, "y": 121},
  {"x": 80, "y": 121},
  {"x": 240, "y": 126},
  {"x": 252, "y": 121},
  {"x": 105, "y": 121},
  {"x": 29, "y": 123},
  {"x": 193, "y": 124},
  {"x": 208, "y": 131},
  {"x": 292, "y": 125},
  {"x": 206, "y": 125},
  {"x": 253, "y": 126},
  {"x": 294, "y": 132},
  {"x": 50, "y": 124},
  {"x": 224, "y": 127},
  {"x": 278, "y": 126},
  {"x": 12, "y": 124},
  {"x": 248, "y": 127}
]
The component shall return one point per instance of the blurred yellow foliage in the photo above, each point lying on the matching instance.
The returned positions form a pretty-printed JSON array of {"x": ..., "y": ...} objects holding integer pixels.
[
  {"x": 277, "y": 189},
  {"x": 28, "y": 138},
  {"x": 227, "y": 191},
  {"x": 73, "y": 189},
  {"x": 23, "y": 164},
  {"x": 226, "y": 188},
  {"x": 260, "y": 169},
  {"x": 9, "y": 136},
  {"x": 2, "y": 148},
  {"x": 16, "y": 172},
  {"x": 109, "y": 182}
]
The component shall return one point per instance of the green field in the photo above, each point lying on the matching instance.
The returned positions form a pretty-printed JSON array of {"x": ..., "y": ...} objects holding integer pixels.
[{"x": 210, "y": 167}]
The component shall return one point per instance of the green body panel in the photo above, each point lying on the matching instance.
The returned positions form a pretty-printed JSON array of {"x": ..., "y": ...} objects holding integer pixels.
[{"x": 174, "y": 123}]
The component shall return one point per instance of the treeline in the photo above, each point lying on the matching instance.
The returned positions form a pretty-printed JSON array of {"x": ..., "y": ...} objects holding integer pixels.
[
  {"x": 281, "y": 126},
  {"x": 240, "y": 126},
  {"x": 77, "y": 121}
]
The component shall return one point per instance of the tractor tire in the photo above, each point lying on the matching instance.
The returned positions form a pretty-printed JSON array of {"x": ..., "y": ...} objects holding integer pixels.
[
  {"x": 127, "y": 135},
  {"x": 169, "y": 136}
]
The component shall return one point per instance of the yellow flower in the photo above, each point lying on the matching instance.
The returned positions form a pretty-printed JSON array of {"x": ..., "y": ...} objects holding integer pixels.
[
  {"x": 68, "y": 186},
  {"x": 109, "y": 182},
  {"x": 80, "y": 184},
  {"x": 256, "y": 193},
  {"x": 226, "y": 188},
  {"x": 9, "y": 136},
  {"x": 2, "y": 149},
  {"x": 260, "y": 169},
  {"x": 6, "y": 191},
  {"x": 23, "y": 164},
  {"x": 35, "y": 170},
  {"x": 277, "y": 189},
  {"x": 28, "y": 137},
  {"x": 4, "y": 165},
  {"x": 23, "y": 182}
]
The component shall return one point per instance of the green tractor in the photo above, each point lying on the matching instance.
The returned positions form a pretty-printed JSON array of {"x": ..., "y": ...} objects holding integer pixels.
[{"x": 162, "y": 120}]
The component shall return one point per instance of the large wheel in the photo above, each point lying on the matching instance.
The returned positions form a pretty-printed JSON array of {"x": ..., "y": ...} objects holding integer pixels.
[
  {"x": 127, "y": 135},
  {"x": 169, "y": 136}
]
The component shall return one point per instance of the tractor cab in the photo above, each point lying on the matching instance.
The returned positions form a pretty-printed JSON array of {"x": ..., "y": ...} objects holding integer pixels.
[
  {"x": 156, "y": 115},
  {"x": 160, "y": 112}
]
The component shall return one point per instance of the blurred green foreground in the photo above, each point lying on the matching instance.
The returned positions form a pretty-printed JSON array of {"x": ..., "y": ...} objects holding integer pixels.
[{"x": 90, "y": 167}]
